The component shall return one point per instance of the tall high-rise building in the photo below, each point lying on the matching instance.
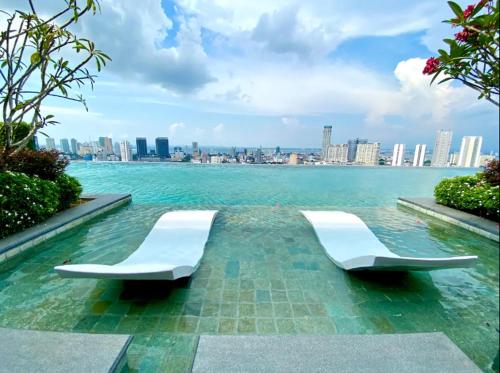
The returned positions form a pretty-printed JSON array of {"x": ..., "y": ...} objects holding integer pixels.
[
  {"x": 196, "y": 151},
  {"x": 125, "y": 151},
  {"x": 398, "y": 154},
  {"x": 337, "y": 153},
  {"x": 441, "y": 150},
  {"x": 278, "y": 150},
  {"x": 106, "y": 144},
  {"x": 327, "y": 140},
  {"x": 419, "y": 157},
  {"x": 142, "y": 147},
  {"x": 65, "y": 146},
  {"x": 116, "y": 148},
  {"x": 470, "y": 151},
  {"x": 352, "y": 147},
  {"x": 50, "y": 143},
  {"x": 162, "y": 149},
  {"x": 258, "y": 155},
  {"x": 74, "y": 146},
  {"x": 368, "y": 154}
]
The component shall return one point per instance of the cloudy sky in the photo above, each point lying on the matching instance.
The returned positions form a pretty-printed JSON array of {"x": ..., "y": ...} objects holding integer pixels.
[{"x": 250, "y": 73}]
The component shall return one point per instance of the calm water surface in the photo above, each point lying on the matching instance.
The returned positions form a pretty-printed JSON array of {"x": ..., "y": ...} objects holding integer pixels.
[{"x": 263, "y": 272}]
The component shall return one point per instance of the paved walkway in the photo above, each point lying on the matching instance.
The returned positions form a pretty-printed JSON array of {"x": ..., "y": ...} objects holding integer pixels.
[
  {"x": 385, "y": 353},
  {"x": 473, "y": 223},
  {"x": 39, "y": 351}
]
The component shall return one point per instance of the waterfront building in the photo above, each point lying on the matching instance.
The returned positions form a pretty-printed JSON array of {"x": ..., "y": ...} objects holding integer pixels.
[
  {"x": 294, "y": 159},
  {"x": 162, "y": 149},
  {"x": 204, "y": 157},
  {"x": 142, "y": 147},
  {"x": 453, "y": 160},
  {"x": 178, "y": 153},
  {"x": 368, "y": 154},
  {"x": 327, "y": 140},
  {"x": 50, "y": 143},
  {"x": 125, "y": 151},
  {"x": 85, "y": 149},
  {"x": 441, "y": 150},
  {"x": 116, "y": 148},
  {"x": 258, "y": 155},
  {"x": 106, "y": 144},
  {"x": 419, "y": 156},
  {"x": 216, "y": 159},
  {"x": 352, "y": 147},
  {"x": 278, "y": 150},
  {"x": 337, "y": 153},
  {"x": 65, "y": 146},
  {"x": 470, "y": 151},
  {"x": 398, "y": 154},
  {"x": 74, "y": 146},
  {"x": 485, "y": 159},
  {"x": 196, "y": 150}
]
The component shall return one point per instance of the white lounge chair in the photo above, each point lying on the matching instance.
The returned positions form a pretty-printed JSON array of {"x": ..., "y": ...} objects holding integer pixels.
[
  {"x": 172, "y": 249},
  {"x": 351, "y": 245}
]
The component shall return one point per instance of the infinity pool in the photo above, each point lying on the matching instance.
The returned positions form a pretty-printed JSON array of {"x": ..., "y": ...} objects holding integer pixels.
[{"x": 263, "y": 272}]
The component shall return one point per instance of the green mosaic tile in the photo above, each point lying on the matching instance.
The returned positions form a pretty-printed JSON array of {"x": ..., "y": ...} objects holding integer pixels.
[
  {"x": 279, "y": 296},
  {"x": 247, "y": 284},
  {"x": 208, "y": 325},
  {"x": 118, "y": 308},
  {"x": 285, "y": 326},
  {"x": 168, "y": 323},
  {"x": 264, "y": 310},
  {"x": 100, "y": 307},
  {"x": 247, "y": 296},
  {"x": 317, "y": 309},
  {"x": 230, "y": 295},
  {"x": 283, "y": 310},
  {"x": 246, "y": 310},
  {"x": 227, "y": 326},
  {"x": 229, "y": 309},
  {"x": 192, "y": 309},
  {"x": 263, "y": 296},
  {"x": 187, "y": 324},
  {"x": 246, "y": 325},
  {"x": 266, "y": 326},
  {"x": 210, "y": 309},
  {"x": 300, "y": 310}
]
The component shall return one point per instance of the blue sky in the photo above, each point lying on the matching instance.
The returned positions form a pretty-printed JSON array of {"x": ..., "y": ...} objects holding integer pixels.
[{"x": 233, "y": 72}]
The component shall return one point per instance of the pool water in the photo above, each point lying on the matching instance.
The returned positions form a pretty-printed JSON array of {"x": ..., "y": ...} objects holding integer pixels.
[{"x": 263, "y": 272}]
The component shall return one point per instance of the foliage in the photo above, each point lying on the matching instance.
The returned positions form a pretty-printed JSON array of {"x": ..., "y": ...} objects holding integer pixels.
[
  {"x": 69, "y": 190},
  {"x": 25, "y": 201},
  {"x": 41, "y": 58},
  {"x": 492, "y": 172},
  {"x": 470, "y": 193},
  {"x": 473, "y": 54},
  {"x": 20, "y": 132},
  {"x": 46, "y": 164}
]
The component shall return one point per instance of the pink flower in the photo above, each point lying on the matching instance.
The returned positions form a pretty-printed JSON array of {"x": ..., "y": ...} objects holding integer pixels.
[
  {"x": 463, "y": 35},
  {"x": 468, "y": 11},
  {"x": 431, "y": 66}
]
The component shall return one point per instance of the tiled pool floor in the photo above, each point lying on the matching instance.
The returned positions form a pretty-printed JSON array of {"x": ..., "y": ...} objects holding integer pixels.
[{"x": 263, "y": 272}]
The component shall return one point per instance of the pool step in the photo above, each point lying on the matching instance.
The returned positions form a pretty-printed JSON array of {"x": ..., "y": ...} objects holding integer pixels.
[
  {"x": 42, "y": 351},
  {"x": 385, "y": 353}
]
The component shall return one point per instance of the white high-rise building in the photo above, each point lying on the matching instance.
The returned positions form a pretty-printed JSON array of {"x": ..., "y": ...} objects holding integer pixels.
[
  {"x": 470, "y": 151},
  {"x": 125, "y": 151},
  {"x": 398, "y": 154},
  {"x": 368, "y": 154},
  {"x": 327, "y": 140},
  {"x": 419, "y": 157},
  {"x": 337, "y": 153},
  {"x": 50, "y": 143},
  {"x": 441, "y": 150}
]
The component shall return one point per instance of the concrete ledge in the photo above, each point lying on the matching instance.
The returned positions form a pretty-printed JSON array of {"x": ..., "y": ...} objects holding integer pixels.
[
  {"x": 483, "y": 227},
  {"x": 40, "y": 351},
  {"x": 60, "y": 222},
  {"x": 388, "y": 353}
]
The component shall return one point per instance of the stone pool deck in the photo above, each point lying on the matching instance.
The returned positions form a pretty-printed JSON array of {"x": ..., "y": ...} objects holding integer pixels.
[
  {"x": 484, "y": 227},
  {"x": 60, "y": 222},
  {"x": 41, "y": 351},
  {"x": 383, "y": 353}
]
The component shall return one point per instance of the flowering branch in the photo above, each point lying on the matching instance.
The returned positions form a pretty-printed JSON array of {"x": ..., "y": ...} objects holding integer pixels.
[{"x": 473, "y": 54}]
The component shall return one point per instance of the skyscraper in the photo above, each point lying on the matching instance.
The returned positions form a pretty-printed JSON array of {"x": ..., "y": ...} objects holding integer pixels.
[
  {"x": 196, "y": 151},
  {"x": 258, "y": 155},
  {"x": 117, "y": 148},
  {"x": 278, "y": 150},
  {"x": 470, "y": 151},
  {"x": 368, "y": 154},
  {"x": 142, "y": 147},
  {"x": 74, "y": 146},
  {"x": 398, "y": 154},
  {"x": 106, "y": 144},
  {"x": 162, "y": 149},
  {"x": 441, "y": 148},
  {"x": 419, "y": 157},
  {"x": 327, "y": 140},
  {"x": 352, "y": 147},
  {"x": 50, "y": 143},
  {"x": 65, "y": 146},
  {"x": 125, "y": 151},
  {"x": 337, "y": 153}
]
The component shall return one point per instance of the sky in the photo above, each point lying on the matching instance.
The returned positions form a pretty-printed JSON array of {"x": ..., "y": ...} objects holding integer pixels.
[{"x": 267, "y": 73}]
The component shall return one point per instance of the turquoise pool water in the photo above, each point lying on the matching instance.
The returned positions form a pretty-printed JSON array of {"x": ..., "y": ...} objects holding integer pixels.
[{"x": 263, "y": 271}]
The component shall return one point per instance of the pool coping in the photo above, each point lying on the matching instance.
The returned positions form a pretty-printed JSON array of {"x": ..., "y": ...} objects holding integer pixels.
[
  {"x": 481, "y": 226},
  {"x": 97, "y": 204}
]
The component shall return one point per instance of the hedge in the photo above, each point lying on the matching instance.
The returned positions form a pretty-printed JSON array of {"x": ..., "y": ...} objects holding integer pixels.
[
  {"x": 472, "y": 194},
  {"x": 26, "y": 201}
]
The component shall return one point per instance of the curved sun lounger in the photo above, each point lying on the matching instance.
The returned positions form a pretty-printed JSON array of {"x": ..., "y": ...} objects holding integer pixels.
[
  {"x": 351, "y": 245},
  {"x": 172, "y": 249}
]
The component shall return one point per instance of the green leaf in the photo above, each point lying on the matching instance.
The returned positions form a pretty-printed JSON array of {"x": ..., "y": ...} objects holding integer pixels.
[
  {"x": 35, "y": 58},
  {"x": 456, "y": 9}
]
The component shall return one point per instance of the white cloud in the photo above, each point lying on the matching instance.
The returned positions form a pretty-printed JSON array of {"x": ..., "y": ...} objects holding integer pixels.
[
  {"x": 218, "y": 128},
  {"x": 174, "y": 128}
]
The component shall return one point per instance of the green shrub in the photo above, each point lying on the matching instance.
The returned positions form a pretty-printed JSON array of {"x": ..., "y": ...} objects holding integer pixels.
[
  {"x": 470, "y": 193},
  {"x": 25, "y": 201},
  {"x": 46, "y": 164},
  {"x": 69, "y": 190}
]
